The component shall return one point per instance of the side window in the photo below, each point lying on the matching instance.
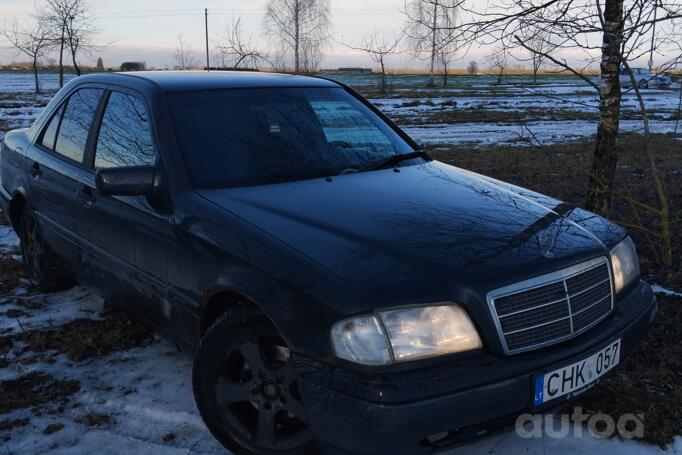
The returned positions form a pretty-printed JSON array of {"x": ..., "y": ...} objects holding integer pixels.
[
  {"x": 50, "y": 135},
  {"x": 76, "y": 121},
  {"x": 125, "y": 135}
]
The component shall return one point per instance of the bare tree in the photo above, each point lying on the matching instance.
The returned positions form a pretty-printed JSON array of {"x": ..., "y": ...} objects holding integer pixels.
[
  {"x": 312, "y": 56},
  {"x": 184, "y": 60},
  {"x": 636, "y": 35},
  {"x": 445, "y": 57},
  {"x": 236, "y": 50},
  {"x": 379, "y": 47},
  {"x": 60, "y": 14},
  {"x": 32, "y": 42},
  {"x": 593, "y": 31},
  {"x": 448, "y": 47},
  {"x": 81, "y": 35},
  {"x": 540, "y": 45},
  {"x": 472, "y": 68},
  {"x": 497, "y": 59},
  {"x": 302, "y": 26},
  {"x": 430, "y": 29},
  {"x": 278, "y": 57}
]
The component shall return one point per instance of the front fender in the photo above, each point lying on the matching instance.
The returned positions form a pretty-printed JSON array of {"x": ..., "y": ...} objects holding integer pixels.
[{"x": 215, "y": 251}]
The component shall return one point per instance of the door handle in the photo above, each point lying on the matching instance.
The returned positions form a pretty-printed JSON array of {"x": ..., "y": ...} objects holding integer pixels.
[
  {"x": 35, "y": 169},
  {"x": 87, "y": 195}
]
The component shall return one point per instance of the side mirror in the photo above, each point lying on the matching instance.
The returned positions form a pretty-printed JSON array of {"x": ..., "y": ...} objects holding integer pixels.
[{"x": 128, "y": 181}]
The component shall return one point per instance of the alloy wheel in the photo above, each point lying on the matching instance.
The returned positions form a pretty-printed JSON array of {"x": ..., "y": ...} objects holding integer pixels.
[
  {"x": 33, "y": 249},
  {"x": 258, "y": 394}
]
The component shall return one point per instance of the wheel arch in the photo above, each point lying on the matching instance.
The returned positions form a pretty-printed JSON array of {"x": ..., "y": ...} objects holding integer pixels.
[{"x": 222, "y": 298}]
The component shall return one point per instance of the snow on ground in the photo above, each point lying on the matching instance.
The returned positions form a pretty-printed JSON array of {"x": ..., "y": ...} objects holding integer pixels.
[
  {"x": 510, "y": 443},
  {"x": 22, "y": 82},
  {"x": 8, "y": 239},
  {"x": 140, "y": 400},
  {"x": 661, "y": 102},
  {"x": 143, "y": 394},
  {"x": 661, "y": 290},
  {"x": 531, "y": 132}
]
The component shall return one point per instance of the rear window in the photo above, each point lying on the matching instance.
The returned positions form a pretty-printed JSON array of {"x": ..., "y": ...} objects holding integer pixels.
[
  {"x": 245, "y": 137},
  {"x": 75, "y": 125}
]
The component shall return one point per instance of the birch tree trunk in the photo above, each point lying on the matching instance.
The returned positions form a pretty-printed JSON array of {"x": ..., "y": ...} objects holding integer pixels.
[
  {"x": 433, "y": 44},
  {"x": 61, "y": 57},
  {"x": 297, "y": 38},
  {"x": 603, "y": 168}
]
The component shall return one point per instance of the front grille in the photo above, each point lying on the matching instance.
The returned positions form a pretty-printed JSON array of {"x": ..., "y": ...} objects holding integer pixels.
[{"x": 552, "y": 307}]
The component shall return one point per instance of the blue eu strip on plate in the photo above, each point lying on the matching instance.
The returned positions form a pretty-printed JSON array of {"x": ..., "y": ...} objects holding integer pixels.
[{"x": 539, "y": 386}]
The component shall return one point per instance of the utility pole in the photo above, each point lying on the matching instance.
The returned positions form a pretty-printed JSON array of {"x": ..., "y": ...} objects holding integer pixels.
[
  {"x": 653, "y": 37},
  {"x": 208, "y": 62}
]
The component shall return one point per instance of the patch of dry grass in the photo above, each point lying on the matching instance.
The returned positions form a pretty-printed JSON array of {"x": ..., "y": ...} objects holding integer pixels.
[
  {"x": 11, "y": 272},
  {"x": 8, "y": 425},
  {"x": 35, "y": 389},
  {"x": 649, "y": 382},
  {"x": 86, "y": 338}
]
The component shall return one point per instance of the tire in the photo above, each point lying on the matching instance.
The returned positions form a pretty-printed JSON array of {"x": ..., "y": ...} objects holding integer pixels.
[
  {"x": 41, "y": 267},
  {"x": 246, "y": 388},
  {"x": 643, "y": 83}
]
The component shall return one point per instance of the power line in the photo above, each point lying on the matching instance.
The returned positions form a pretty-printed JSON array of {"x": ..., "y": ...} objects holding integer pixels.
[{"x": 176, "y": 12}]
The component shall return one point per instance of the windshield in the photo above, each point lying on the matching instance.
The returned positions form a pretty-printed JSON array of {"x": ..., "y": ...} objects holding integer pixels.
[{"x": 243, "y": 137}]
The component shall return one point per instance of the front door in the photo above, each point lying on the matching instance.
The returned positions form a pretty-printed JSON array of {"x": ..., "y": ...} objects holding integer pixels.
[{"x": 122, "y": 237}]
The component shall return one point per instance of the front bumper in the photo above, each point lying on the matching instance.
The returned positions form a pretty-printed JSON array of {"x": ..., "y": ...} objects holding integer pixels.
[{"x": 365, "y": 413}]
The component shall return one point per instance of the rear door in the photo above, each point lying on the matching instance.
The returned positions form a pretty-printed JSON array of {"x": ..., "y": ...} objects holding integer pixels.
[
  {"x": 55, "y": 162},
  {"x": 123, "y": 237}
]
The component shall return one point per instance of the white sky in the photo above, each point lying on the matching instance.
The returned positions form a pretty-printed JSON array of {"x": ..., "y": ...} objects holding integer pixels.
[{"x": 147, "y": 29}]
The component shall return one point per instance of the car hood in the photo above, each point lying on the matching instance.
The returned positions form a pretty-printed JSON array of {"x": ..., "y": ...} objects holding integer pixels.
[{"x": 420, "y": 233}]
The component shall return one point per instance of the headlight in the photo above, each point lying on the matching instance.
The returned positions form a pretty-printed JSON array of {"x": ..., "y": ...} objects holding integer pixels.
[
  {"x": 625, "y": 264},
  {"x": 413, "y": 333}
]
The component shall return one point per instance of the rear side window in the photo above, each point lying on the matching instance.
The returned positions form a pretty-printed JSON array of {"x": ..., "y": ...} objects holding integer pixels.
[
  {"x": 125, "y": 137},
  {"x": 76, "y": 121},
  {"x": 50, "y": 134}
]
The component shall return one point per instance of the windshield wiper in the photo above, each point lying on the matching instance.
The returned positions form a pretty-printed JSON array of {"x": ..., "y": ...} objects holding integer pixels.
[
  {"x": 388, "y": 162},
  {"x": 393, "y": 160}
]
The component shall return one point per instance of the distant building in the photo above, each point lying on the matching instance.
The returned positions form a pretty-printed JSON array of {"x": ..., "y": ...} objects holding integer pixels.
[
  {"x": 133, "y": 66},
  {"x": 356, "y": 70}
]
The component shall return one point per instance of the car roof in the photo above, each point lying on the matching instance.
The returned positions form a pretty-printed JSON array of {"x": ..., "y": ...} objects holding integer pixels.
[{"x": 178, "y": 81}]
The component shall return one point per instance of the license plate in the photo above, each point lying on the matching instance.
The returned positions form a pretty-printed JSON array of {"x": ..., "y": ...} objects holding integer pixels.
[{"x": 576, "y": 378}]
